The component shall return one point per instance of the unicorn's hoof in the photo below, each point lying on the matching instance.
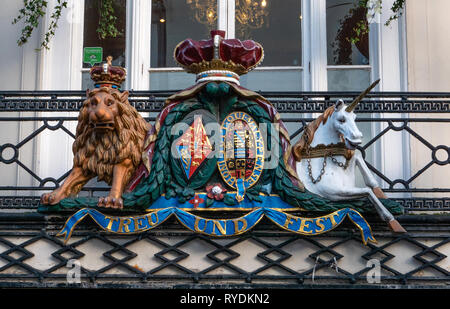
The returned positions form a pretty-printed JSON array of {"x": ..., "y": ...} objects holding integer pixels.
[
  {"x": 378, "y": 192},
  {"x": 395, "y": 226}
]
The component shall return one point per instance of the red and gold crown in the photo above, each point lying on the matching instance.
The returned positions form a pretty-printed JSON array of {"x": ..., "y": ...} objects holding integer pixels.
[
  {"x": 218, "y": 58},
  {"x": 108, "y": 75}
]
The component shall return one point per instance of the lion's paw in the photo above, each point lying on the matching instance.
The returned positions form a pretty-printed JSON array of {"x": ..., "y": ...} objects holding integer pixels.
[
  {"x": 110, "y": 202},
  {"x": 51, "y": 198}
]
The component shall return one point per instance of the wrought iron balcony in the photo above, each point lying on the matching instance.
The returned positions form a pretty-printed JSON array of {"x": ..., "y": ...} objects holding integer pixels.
[{"x": 424, "y": 248}]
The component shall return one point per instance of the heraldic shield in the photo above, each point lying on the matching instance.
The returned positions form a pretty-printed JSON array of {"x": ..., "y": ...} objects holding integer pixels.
[{"x": 218, "y": 157}]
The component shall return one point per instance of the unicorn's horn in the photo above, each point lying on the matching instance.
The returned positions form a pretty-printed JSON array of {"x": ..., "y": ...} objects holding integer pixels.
[{"x": 361, "y": 96}]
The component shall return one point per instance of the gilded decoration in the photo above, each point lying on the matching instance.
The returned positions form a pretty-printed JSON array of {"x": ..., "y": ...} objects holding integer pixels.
[{"x": 216, "y": 148}]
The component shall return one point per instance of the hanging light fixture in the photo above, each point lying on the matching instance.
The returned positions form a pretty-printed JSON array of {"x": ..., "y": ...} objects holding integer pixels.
[
  {"x": 249, "y": 13},
  {"x": 205, "y": 11},
  {"x": 252, "y": 14}
]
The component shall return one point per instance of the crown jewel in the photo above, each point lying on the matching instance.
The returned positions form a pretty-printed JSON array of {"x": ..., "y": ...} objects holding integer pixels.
[
  {"x": 108, "y": 75},
  {"x": 218, "y": 58}
]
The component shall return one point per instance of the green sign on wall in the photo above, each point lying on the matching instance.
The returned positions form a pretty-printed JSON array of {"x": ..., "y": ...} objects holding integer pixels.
[{"x": 92, "y": 55}]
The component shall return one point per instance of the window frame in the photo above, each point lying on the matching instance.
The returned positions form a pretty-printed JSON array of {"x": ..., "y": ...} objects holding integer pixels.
[
  {"x": 387, "y": 58},
  {"x": 314, "y": 64},
  {"x": 226, "y": 21},
  {"x": 61, "y": 66}
]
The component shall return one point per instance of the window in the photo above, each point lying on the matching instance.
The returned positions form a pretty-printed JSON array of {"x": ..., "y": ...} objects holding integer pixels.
[
  {"x": 112, "y": 42},
  {"x": 305, "y": 43},
  {"x": 348, "y": 60},
  {"x": 172, "y": 22},
  {"x": 299, "y": 45},
  {"x": 276, "y": 27}
]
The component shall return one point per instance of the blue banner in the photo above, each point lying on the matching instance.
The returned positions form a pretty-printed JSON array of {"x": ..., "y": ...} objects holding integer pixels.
[
  {"x": 319, "y": 225},
  {"x": 219, "y": 227}
]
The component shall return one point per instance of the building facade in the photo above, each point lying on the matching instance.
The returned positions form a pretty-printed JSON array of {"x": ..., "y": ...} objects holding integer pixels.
[{"x": 306, "y": 54}]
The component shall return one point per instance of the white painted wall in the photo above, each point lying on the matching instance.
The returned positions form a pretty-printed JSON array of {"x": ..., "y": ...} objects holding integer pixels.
[
  {"x": 428, "y": 39},
  {"x": 420, "y": 64},
  {"x": 22, "y": 68},
  {"x": 19, "y": 67},
  {"x": 26, "y": 68},
  {"x": 17, "y": 64},
  {"x": 391, "y": 155},
  {"x": 61, "y": 70}
]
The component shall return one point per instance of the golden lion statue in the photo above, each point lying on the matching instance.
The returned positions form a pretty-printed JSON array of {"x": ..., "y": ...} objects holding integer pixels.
[{"x": 108, "y": 144}]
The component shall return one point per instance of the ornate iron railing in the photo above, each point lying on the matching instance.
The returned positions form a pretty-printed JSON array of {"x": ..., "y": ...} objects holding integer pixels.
[
  {"x": 389, "y": 111},
  {"x": 31, "y": 254}
]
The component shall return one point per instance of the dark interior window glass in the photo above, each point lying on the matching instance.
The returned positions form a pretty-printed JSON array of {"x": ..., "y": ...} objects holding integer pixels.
[
  {"x": 173, "y": 21},
  {"x": 275, "y": 25},
  {"x": 112, "y": 46},
  {"x": 343, "y": 16}
]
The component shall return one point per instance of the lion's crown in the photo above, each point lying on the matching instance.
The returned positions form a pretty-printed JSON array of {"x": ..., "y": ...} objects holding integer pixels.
[{"x": 108, "y": 75}]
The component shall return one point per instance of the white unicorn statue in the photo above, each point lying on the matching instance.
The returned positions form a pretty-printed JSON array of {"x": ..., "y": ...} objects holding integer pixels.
[{"x": 327, "y": 160}]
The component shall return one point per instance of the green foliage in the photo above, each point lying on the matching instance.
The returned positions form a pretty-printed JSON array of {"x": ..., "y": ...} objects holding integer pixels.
[
  {"x": 354, "y": 27},
  {"x": 34, "y": 10},
  {"x": 31, "y": 13},
  {"x": 361, "y": 29},
  {"x": 209, "y": 201},
  {"x": 374, "y": 8},
  {"x": 397, "y": 8},
  {"x": 107, "y": 22},
  {"x": 229, "y": 200}
]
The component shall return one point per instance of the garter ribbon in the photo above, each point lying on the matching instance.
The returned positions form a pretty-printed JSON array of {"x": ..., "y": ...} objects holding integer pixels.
[{"x": 219, "y": 227}]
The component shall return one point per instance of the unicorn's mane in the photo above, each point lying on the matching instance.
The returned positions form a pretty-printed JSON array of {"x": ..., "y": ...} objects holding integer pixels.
[{"x": 308, "y": 135}]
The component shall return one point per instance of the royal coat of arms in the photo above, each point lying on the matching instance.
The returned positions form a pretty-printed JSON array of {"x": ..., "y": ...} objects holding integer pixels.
[
  {"x": 216, "y": 147},
  {"x": 241, "y": 153}
]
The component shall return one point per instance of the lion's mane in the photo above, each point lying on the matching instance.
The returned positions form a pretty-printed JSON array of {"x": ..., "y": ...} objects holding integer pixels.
[{"x": 97, "y": 153}]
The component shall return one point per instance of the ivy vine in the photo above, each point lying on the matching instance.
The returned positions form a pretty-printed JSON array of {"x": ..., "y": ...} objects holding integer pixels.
[
  {"x": 31, "y": 13},
  {"x": 354, "y": 28},
  {"x": 107, "y": 25},
  {"x": 373, "y": 7},
  {"x": 398, "y": 9},
  {"x": 34, "y": 10}
]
